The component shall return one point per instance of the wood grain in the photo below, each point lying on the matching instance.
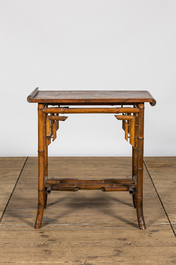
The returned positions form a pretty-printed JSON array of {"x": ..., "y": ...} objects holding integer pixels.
[
  {"x": 10, "y": 168},
  {"x": 165, "y": 168},
  {"x": 88, "y": 97},
  {"x": 87, "y": 227}
]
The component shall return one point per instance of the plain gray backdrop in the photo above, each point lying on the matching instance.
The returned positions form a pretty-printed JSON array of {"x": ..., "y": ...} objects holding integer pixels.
[{"x": 96, "y": 45}]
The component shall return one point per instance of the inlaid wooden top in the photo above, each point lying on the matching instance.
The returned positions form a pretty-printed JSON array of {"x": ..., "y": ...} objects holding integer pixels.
[{"x": 91, "y": 97}]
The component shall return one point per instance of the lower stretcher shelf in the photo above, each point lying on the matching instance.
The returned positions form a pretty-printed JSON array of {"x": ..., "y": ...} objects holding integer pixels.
[{"x": 104, "y": 185}]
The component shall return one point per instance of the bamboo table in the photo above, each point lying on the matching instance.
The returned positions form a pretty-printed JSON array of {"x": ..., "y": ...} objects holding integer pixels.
[{"x": 51, "y": 104}]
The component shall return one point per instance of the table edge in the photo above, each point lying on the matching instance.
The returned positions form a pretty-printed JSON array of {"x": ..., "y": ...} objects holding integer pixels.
[{"x": 31, "y": 99}]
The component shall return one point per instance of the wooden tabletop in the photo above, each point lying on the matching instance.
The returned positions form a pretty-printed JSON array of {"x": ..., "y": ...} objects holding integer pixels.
[{"x": 91, "y": 97}]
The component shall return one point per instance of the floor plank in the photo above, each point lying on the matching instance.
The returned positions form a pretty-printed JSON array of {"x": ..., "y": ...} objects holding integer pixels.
[
  {"x": 10, "y": 168},
  {"x": 85, "y": 227},
  {"x": 163, "y": 173}
]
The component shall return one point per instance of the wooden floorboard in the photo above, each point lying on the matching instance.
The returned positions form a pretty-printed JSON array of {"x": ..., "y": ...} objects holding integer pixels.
[
  {"x": 163, "y": 173},
  {"x": 10, "y": 169},
  {"x": 87, "y": 227}
]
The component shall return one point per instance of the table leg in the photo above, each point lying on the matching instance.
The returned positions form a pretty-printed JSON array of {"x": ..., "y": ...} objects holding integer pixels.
[
  {"x": 45, "y": 156},
  {"x": 140, "y": 140},
  {"x": 41, "y": 191},
  {"x": 134, "y": 158}
]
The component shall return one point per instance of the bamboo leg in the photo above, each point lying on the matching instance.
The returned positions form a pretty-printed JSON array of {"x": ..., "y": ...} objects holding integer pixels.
[
  {"x": 139, "y": 197},
  {"x": 41, "y": 192},
  {"x": 134, "y": 157},
  {"x": 45, "y": 155}
]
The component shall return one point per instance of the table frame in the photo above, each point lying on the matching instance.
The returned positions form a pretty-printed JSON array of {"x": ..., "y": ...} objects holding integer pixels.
[{"x": 133, "y": 124}]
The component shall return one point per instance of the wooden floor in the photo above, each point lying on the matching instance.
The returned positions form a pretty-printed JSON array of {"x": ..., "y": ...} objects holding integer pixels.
[{"x": 87, "y": 227}]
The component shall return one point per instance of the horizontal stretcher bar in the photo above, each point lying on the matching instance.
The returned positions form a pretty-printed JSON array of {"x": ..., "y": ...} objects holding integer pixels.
[
  {"x": 77, "y": 184},
  {"x": 92, "y": 182},
  {"x": 90, "y": 110},
  {"x": 81, "y": 186}
]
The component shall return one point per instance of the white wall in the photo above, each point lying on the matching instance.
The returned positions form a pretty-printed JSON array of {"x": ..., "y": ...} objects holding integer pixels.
[{"x": 95, "y": 44}]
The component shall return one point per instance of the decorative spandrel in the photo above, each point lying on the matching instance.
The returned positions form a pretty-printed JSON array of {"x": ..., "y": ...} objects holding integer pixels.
[
  {"x": 128, "y": 125},
  {"x": 128, "y": 116},
  {"x": 52, "y": 125}
]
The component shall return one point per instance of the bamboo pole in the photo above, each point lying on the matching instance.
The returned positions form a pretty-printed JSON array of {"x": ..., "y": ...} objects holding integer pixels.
[
  {"x": 139, "y": 197},
  {"x": 128, "y": 110},
  {"x": 90, "y": 182},
  {"x": 132, "y": 131},
  {"x": 51, "y": 124},
  {"x": 90, "y": 110},
  {"x": 48, "y": 131},
  {"x": 54, "y": 131},
  {"x": 126, "y": 131},
  {"x": 114, "y": 189},
  {"x": 45, "y": 155},
  {"x": 57, "y": 125},
  {"x": 41, "y": 195},
  {"x": 124, "y": 117},
  {"x": 129, "y": 125},
  {"x": 57, "y": 122},
  {"x": 123, "y": 124},
  {"x": 134, "y": 158},
  {"x": 57, "y": 118},
  {"x": 83, "y": 186}
]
